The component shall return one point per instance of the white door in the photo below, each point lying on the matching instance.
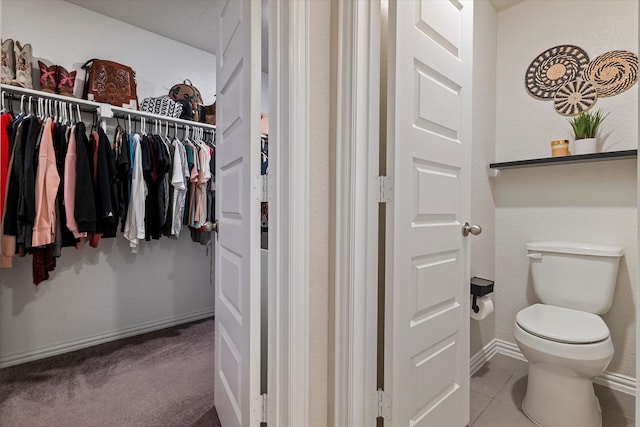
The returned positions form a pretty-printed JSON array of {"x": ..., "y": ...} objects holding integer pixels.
[
  {"x": 427, "y": 345},
  {"x": 237, "y": 252}
]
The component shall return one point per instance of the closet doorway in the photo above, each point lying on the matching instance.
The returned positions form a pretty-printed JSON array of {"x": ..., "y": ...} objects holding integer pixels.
[{"x": 230, "y": 275}]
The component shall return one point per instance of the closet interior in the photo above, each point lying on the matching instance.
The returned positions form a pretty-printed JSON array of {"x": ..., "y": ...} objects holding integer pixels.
[{"x": 127, "y": 285}]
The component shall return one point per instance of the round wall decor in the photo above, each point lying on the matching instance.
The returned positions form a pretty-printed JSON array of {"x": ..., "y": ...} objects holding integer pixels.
[
  {"x": 613, "y": 72},
  {"x": 553, "y": 68},
  {"x": 575, "y": 97}
]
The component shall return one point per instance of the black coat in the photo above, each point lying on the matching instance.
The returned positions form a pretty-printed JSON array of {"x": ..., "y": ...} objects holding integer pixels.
[{"x": 85, "y": 209}]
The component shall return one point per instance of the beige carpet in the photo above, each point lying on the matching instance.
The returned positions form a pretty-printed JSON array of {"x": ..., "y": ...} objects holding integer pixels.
[{"x": 164, "y": 378}]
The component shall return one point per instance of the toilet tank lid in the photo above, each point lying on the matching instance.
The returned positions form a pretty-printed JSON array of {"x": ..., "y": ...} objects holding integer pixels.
[{"x": 576, "y": 248}]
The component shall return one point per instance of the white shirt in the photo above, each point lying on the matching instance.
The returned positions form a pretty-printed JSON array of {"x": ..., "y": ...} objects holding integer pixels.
[{"x": 134, "y": 227}]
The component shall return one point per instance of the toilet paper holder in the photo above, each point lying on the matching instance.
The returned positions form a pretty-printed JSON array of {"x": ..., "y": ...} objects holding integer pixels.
[{"x": 479, "y": 288}]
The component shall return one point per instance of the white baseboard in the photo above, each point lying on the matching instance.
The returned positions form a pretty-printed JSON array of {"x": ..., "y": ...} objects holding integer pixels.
[
  {"x": 65, "y": 347},
  {"x": 618, "y": 382},
  {"x": 482, "y": 357}
]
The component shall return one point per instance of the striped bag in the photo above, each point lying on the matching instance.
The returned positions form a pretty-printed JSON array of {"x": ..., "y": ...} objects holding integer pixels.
[{"x": 162, "y": 105}]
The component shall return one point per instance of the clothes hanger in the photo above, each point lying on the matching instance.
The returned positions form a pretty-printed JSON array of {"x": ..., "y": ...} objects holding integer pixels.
[
  {"x": 129, "y": 121},
  {"x": 4, "y": 110},
  {"x": 22, "y": 104},
  {"x": 64, "y": 112},
  {"x": 79, "y": 115}
]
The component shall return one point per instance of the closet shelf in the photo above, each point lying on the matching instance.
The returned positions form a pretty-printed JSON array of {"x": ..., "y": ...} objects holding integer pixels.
[
  {"x": 104, "y": 110},
  {"x": 40, "y": 94},
  {"x": 580, "y": 158},
  {"x": 108, "y": 111}
]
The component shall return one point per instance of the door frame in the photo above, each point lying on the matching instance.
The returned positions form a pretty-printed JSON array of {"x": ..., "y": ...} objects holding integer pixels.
[
  {"x": 288, "y": 255},
  {"x": 356, "y": 213}
]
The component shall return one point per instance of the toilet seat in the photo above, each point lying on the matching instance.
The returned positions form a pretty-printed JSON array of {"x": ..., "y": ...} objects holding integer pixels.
[{"x": 562, "y": 325}]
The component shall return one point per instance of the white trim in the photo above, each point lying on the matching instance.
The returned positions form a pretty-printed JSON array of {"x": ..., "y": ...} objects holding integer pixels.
[
  {"x": 481, "y": 357},
  {"x": 509, "y": 349},
  {"x": 288, "y": 289},
  {"x": 356, "y": 229},
  {"x": 77, "y": 344},
  {"x": 637, "y": 280},
  {"x": 618, "y": 382}
]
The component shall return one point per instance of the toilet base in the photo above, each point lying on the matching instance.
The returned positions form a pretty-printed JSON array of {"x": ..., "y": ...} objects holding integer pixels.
[{"x": 558, "y": 399}]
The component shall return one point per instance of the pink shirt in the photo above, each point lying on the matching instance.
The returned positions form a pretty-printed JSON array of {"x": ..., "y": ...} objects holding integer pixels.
[
  {"x": 47, "y": 183},
  {"x": 70, "y": 185}
]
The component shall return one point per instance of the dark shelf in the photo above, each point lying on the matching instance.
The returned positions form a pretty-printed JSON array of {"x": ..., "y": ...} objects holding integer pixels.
[{"x": 581, "y": 158}]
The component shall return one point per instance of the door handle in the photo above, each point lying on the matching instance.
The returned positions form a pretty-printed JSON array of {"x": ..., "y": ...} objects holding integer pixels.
[
  {"x": 473, "y": 229},
  {"x": 212, "y": 226}
]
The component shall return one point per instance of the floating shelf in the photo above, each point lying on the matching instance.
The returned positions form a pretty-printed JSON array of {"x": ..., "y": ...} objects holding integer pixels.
[{"x": 580, "y": 158}]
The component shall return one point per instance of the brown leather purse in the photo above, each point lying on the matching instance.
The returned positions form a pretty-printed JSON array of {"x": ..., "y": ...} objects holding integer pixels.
[
  {"x": 110, "y": 82},
  {"x": 190, "y": 98}
]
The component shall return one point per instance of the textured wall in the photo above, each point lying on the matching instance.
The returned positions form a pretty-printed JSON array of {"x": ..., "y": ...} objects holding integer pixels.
[
  {"x": 69, "y": 35},
  {"x": 594, "y": 202},
  {"x": 95, "y": 292},
  {"x": 483, "y": 152}
]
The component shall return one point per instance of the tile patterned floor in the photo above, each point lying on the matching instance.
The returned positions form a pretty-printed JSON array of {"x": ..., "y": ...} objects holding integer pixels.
[{"x": 497, "y": 390}]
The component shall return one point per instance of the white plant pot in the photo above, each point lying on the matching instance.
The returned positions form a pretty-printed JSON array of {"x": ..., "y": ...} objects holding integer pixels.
[{"x": 585, "y": 146}]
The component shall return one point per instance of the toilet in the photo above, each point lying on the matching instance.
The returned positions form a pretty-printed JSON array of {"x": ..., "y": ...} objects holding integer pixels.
[{"x": 563, "y": 337}]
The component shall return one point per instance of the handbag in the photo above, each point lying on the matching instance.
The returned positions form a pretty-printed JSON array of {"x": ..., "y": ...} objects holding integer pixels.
[
  {"x": 110, "y": 82},
  {"x": 210, "y": 114},
  {"x": 190, "y": 98},
  {"x": 162, "y": 105}
]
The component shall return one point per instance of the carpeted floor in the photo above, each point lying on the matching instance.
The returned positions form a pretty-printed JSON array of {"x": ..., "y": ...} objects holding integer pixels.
[{"x": 164, "y": 378}]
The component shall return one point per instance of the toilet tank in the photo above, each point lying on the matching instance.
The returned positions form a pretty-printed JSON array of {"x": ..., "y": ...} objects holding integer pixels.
[{"x": 581, "y": 276}]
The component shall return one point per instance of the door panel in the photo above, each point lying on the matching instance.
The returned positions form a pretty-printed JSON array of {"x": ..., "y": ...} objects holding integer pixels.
[
  {"x": 427, "y": 336},
  {"x": 237, "y": 262}
]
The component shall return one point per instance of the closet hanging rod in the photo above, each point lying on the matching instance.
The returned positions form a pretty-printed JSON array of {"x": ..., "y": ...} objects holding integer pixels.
[
  {"x": 124, "y": 112},
  {"x": 163, "y": 121},
  {"x": 89, "y": 105}
]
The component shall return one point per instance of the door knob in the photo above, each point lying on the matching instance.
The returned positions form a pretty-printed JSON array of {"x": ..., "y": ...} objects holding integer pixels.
[
  {"x": 473, "y": 229},
  {"x": 212, "y": 226}
]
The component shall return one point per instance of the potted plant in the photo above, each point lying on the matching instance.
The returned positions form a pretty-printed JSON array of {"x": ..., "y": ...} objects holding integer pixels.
[{"x": 585, "y": 130}]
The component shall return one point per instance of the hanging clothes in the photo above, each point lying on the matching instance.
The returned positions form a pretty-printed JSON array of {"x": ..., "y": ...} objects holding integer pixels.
[
  {"x": 84, "y": 209},
  {"x": 9, "y": 216},
  {"x": 27, "y": 176},
  {"x": 62, "y": 186},
  {"x": 70, "y": 177},
  {"x": 179, "y": 180},
  {"x": 106, "y": 199},
  {"x": 135, "y": 223},
  {"x": 124, "y": 167},
  {"x": 46, "y": 190},
  {"x": 5, "y": 123},
  {"x": 64, "y": 238}
]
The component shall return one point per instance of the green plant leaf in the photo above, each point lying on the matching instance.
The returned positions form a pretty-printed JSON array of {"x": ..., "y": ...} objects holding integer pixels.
[{"x": 586, "y": 124}]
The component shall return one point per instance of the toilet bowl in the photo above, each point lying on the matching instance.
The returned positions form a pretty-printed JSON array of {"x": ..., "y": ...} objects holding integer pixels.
[
  {"x": 563, "y": 337},
  {"x": 560, "y": 383}
]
